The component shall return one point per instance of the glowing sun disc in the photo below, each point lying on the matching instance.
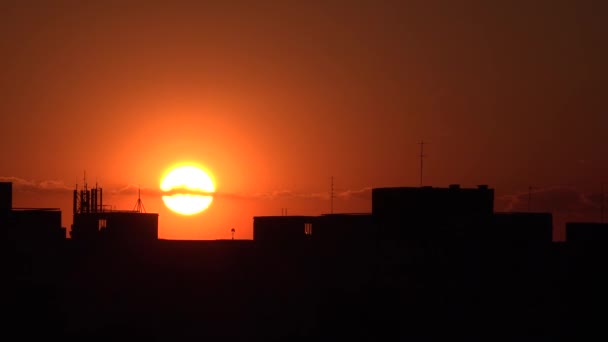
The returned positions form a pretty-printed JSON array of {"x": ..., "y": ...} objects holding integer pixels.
[{"x": 188, "y": 189}]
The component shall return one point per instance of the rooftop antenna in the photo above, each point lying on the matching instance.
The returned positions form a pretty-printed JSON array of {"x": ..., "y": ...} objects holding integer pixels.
[
  {"x": 332, "y": 195},
  {"x": 422, "y": 155},
  {"x": 602, "y": 205},
  {"x": 232, "y": 231},
  {"x": 530, "y": 198},
  {"x": 139, "y": 206}
]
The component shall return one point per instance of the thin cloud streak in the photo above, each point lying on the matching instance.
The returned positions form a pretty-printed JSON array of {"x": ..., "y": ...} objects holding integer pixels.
[
  {"x": 44, "y": 186},
  {"x": 55, "y": 186},
  {"x": 550, "y": 199}
]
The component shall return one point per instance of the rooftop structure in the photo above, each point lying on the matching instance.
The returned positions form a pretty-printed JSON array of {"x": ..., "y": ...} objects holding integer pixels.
[
  {"x": 36, "y": 225},
  {"x": 94, "y": 221}
]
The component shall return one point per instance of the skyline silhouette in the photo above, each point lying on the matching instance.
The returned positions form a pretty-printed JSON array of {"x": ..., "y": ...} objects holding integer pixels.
[
  {"x": 566, "y": 204},
  {"x": 406, "y": 270}
]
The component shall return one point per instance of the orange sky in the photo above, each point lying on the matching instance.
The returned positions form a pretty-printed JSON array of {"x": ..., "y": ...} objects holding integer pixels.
[{"x": 274, "y": 99}]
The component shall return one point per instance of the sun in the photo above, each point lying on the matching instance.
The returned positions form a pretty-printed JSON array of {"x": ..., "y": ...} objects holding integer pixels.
[{"x": 187, "y": 190}]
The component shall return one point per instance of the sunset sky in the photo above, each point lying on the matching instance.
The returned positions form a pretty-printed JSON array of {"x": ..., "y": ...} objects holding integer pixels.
[{"x": 275, "y": 98}]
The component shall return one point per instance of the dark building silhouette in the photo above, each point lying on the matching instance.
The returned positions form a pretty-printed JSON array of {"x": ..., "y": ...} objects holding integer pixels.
[
  {"x": 6, "y": 204},
  {"x": 40, "y": 224},
  {"x": 426, "y": 264},
  {"x": 586, "y": 261},
  {"x": 523, "y": 228},
  {"x": 327, "y": 228},
  {"x": 282, "y": 229},
  {"x": 24, "y": 225},
  {"x": 580, "y": 233},
  {"x": 93, "y": 222},
  {"x": 414, "y": 214},
  {"x": 344, "y": 228},
  {"x": 6, "y": 196},
  {"x": 431, "y": 214},
  {"x": 116, "y": 225}
]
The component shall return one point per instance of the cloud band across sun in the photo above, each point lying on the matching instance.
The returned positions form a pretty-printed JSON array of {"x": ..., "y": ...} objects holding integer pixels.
[{"x": 187, "y": 190}]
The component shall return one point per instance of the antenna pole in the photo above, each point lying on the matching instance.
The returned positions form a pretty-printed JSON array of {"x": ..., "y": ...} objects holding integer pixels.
[
  {"x": 421, "y": 143},
  {"x": 602, "y": 205},
  {"x": 139, "y": 206},
  {"x": 332, "y": 195}
]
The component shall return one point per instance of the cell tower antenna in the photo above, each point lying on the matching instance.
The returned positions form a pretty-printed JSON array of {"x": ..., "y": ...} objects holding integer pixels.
[{"x": 139, "y": 206}]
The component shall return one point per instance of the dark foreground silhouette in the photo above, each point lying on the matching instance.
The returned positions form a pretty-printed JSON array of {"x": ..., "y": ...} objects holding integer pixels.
[
  {"x": 426, "y": 264},
  {"x": 243, "y": 290}
]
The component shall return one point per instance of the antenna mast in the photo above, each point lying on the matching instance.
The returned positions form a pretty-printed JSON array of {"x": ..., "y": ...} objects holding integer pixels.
[
  {"x": 421, "y": 143},
  {"x": 332, "y": 195},
  {"x": 602, "y": 205},
  {"x": 139, "y": 205}
]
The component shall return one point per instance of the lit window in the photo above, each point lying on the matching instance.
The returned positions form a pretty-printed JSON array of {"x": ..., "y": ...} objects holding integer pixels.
[
  {"x": 102, "y": 223},
  {"x": 308, "y": 229}
]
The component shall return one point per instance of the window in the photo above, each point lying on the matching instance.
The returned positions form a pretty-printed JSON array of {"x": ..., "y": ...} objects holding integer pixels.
[
  {"x": 101, "y": 224},
  {"x": 308, "y": 229}
]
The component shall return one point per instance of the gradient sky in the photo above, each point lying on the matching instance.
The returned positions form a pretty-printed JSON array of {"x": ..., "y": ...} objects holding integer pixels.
[{"x": 275, "y": 98}]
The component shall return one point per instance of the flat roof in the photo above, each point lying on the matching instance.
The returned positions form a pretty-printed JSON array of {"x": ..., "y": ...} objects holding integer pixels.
[
  {"x": 36, "y": 209},
  {"x": 116, "y": 212},
  {"x": 347, "y": 214}
]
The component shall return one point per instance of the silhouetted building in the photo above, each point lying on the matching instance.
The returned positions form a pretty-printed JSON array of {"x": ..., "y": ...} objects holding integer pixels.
[
  {"x": 328, "y": 228},
  {"x": 400, "y": 213},
  {"x": 39, "y": 225},
  {"x": 431, "y": 214},
  {"x": 6, "y": 203},
  {"x": 587, "y": 233},
  {"x": 283, "y": 229},
  {"x": 346, "y": 227},
  {"x": 93, "y": 222},
  {"x": 6, "y": 196},
  {"x": 523, "y": 228},
  {"x": 116, "y": 225}
]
